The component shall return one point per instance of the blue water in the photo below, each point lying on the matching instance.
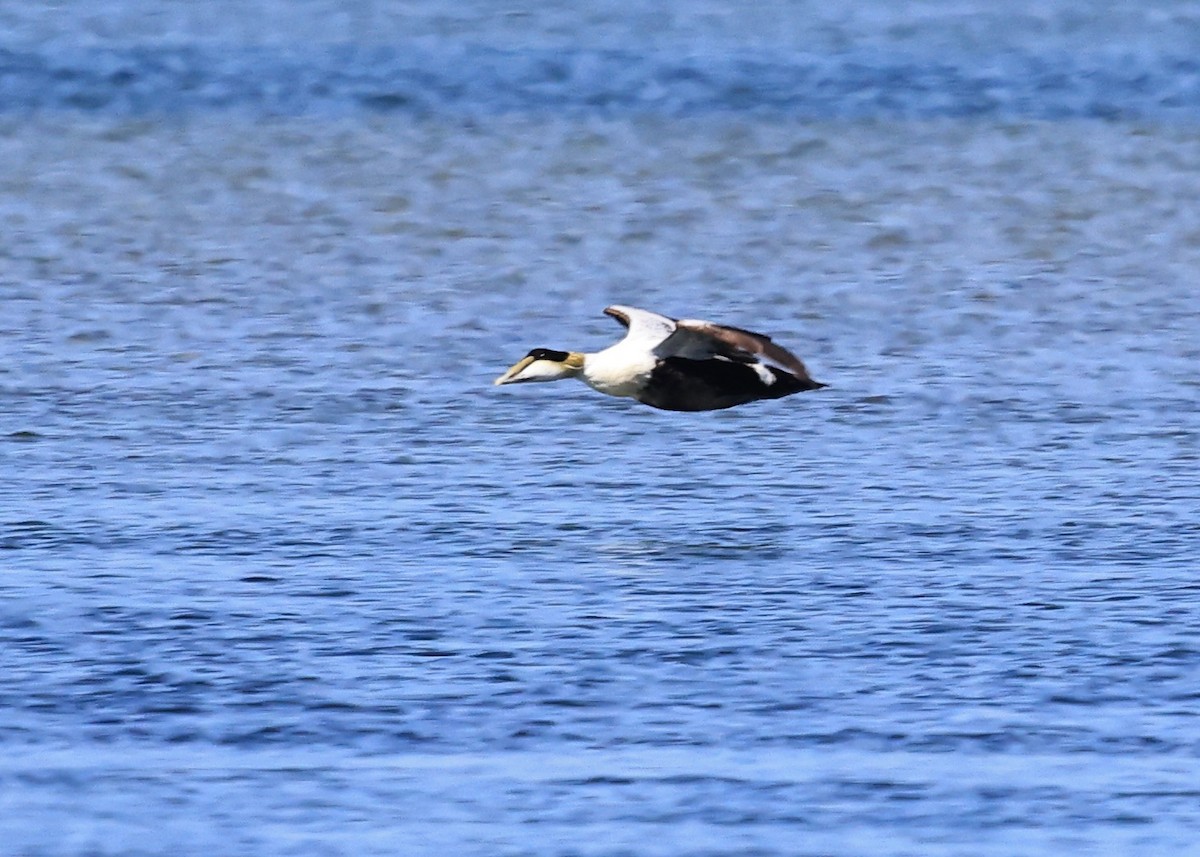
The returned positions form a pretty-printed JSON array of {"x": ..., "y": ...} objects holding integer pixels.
[
  {"x": 472, "y": 80},
  {"x": 281, "y": 573}
]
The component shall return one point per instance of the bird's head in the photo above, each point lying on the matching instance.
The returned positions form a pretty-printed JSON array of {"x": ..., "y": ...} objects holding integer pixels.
[{"x": 543, "y": 364}]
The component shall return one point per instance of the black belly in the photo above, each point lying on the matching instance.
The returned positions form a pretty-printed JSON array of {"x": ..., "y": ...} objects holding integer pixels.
[{"x": 679, "y": 384}]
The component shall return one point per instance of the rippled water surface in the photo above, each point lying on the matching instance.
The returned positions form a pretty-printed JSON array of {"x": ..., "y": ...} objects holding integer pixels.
[{"x": 282, "y": 573}]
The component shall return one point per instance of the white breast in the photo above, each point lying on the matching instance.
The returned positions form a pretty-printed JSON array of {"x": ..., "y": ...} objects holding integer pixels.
[{"x": 618, "y": 371}]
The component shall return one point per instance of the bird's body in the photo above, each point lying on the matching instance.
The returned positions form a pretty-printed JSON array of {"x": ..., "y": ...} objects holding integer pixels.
[{"x": 675, "y": 365}]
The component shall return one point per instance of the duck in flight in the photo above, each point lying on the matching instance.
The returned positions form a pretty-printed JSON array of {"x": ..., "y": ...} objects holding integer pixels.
[{"x": 685, "y": 365}]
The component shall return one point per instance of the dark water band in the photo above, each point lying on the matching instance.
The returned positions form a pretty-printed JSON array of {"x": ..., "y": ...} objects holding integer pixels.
[{"x": 487, "y": 81}]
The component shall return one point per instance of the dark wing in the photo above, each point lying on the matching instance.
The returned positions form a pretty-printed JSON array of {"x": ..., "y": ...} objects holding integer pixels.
[{"x": 702, "y": 340}]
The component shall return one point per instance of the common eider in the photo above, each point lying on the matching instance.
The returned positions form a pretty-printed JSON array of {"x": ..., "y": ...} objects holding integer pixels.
[{"x": 674, "y": 365}]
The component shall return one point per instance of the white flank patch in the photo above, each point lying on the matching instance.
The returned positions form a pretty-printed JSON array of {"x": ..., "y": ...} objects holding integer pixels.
[{"x": 768, "y": 377}]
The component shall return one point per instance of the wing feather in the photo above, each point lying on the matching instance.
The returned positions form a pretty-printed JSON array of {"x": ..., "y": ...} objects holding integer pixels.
[
  {"x": 693, "y": 338},
  {"x": 647, "y": 329}
]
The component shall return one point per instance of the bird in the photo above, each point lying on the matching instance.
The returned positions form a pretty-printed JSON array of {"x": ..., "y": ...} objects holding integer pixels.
[{"x": 674, "y": 365}]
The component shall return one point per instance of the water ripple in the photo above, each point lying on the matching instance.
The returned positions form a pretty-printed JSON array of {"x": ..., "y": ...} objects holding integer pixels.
[{"x": 468, "y": 80}]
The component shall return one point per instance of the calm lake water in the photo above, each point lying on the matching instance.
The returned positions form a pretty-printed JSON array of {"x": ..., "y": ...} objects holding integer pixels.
[{"x": 281, "y": 573}]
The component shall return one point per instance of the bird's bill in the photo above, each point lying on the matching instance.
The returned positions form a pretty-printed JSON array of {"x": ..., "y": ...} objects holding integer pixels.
[{"x": 513, "y": 374}]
